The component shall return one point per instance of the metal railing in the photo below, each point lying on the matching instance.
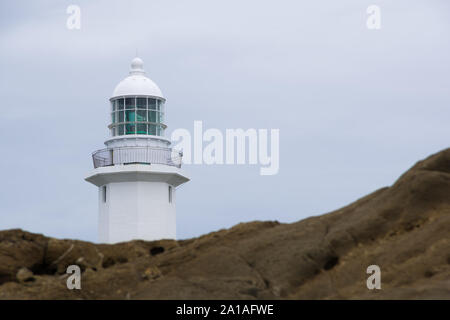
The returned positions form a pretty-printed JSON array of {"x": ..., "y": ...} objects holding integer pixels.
[{"x": 137, "y": 155}]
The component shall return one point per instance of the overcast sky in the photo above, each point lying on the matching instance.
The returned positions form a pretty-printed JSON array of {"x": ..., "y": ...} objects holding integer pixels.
[{"x": 355, "y": 107}]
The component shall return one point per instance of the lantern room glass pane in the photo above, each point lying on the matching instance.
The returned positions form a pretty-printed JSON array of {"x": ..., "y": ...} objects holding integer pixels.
[
  {"x": 130, "y": 128},
  {"x": 121, "y": 119},
  {"x": 141, "y": 128},
  {"x": 152, "y": 116},
  {"x": 151, "y": 104},
  {"x": 152, "y": 129},
  {"x": 130, "y": 115},
  {"x": 113, "y": 117},
  {"x": 141, "y": 115},
  {"x": 119, "y": 104},
  {"x": 120, "y": 129},
  {"x": 141, "y": 103},
  {"x": 130, "y": 103}
]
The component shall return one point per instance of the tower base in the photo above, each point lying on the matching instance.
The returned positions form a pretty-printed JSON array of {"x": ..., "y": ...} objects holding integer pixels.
[{"x": 137, "y": 201}]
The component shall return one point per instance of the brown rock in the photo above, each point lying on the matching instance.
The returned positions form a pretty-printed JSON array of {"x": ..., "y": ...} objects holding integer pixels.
[
  {"x": 151, "y": 273},
  {"x": 20, "y": 249},
  {"x": 24, "y": 275}
]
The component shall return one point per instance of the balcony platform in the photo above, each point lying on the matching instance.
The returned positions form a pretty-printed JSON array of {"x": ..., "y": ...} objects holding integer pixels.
[{"x": 137, "y": 172}]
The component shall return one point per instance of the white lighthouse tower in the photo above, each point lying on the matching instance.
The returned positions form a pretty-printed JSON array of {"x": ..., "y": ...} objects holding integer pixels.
[{"x": 137, "y": 174}]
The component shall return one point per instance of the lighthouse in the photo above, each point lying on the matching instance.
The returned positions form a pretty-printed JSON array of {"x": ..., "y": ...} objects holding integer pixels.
[{"x": 137, "y": 174}]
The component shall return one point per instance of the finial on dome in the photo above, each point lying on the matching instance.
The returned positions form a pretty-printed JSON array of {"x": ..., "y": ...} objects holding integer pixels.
[{"x": 137, "y": 66}]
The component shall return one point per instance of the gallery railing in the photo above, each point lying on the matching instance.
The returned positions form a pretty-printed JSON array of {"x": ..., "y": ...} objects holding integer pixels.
[{"x": 137, "y": 155}]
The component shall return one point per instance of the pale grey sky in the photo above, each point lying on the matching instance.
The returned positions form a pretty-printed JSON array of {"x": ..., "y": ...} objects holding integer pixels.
[{"x": 355, "y": 107}]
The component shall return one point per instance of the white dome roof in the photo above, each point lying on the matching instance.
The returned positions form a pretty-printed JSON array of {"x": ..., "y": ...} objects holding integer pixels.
[{"x": 137, "y": 83}]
